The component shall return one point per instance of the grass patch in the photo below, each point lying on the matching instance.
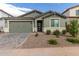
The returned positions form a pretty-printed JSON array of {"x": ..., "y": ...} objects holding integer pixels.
[
  {"x": 73, "y": 40},
  {"x": 52, "y": 42}
]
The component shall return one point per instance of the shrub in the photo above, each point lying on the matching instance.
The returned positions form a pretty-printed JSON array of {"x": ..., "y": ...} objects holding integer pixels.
[
  {"x": 57, "y": 33},
  {"x": 64, "y": 32},
  {"x": 48, "y": 32},
  {"x": 73, "y": 28},
  {"x": 73, "y": 40},
  {"x": 53, "y": 42},
  {"x": 36, "y": 34}
]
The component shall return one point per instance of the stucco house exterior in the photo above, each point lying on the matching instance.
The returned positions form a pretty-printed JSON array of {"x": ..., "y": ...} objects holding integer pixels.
[
  {"x": 37, "y": 21},
  {"x": 72, "y": 13},
  {"x": 2, "y": 21}
]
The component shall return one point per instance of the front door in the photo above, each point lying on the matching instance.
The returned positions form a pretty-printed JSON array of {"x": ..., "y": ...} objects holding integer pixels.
[{"x": 39, "y": 26}]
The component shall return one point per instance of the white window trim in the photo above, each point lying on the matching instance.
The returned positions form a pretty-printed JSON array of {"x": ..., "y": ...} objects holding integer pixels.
[{"x": 59, "y": 23}]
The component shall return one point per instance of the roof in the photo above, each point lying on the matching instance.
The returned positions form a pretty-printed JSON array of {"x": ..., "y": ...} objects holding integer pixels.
[
  {"x": 70, "y": 8},
  {"x": 17, "y": 18},
  {"x": 73, "y": 17},
  {"x": 43, "y": 15},
  {"x": 30, "y": 13},
  {"x": 49, "y": 13},
  {"x": 6, "y": 13}
]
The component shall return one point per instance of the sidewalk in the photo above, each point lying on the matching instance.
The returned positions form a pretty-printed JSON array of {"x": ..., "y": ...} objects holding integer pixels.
[{"x": 56, "y": 51}]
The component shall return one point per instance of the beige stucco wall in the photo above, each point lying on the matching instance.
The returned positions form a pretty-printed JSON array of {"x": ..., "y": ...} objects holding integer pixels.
[
  {"x": 47, "y": 23},
  {"x": 70, "y": 19},
  {"x": 71, "y": 12},
  {"x": 2, "y": 21}
]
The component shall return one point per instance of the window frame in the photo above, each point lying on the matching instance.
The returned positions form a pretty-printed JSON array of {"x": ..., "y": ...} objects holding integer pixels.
[
  {"x": 54, "y": 25},
  {"x": 77, "y": 12}
]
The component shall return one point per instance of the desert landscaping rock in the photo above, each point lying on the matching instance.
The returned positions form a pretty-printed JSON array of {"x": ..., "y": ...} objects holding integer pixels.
[{"x": 41, "y": 41}]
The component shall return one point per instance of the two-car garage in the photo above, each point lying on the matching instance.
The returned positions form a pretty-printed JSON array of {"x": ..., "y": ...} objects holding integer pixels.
[{"x": 20, "y": 26}]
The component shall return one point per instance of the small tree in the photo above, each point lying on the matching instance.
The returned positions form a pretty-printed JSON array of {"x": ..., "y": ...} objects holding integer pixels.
[{"x": 73, "y": 28}]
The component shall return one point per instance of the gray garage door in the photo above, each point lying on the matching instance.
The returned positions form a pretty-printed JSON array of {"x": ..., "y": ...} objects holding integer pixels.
[{"x": 20, "y": 26}]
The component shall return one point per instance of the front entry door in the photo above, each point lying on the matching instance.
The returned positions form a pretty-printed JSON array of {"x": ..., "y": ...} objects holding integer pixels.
[{"x": 39, "y": 26}]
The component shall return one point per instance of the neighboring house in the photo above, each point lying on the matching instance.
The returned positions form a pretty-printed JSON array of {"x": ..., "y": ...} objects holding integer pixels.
[
  {"x": 72, "y": 13},
  {"x": 35, "y": 21},
  {"x": 2, "y": 21}
]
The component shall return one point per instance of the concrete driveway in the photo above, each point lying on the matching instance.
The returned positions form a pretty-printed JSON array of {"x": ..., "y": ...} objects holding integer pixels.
[{"x": 12, "y": 40}]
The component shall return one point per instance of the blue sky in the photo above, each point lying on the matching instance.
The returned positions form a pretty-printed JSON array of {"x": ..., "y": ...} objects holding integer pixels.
[{"x": 59, "y": 7}]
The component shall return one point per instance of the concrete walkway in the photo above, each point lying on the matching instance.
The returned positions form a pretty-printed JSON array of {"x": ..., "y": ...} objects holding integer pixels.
[{"x": 56, "y": 51}]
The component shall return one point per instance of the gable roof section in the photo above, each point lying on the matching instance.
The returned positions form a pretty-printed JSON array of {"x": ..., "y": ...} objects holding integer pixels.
[
  {"x": 70, "y": 8},
  {"x": 6, "y": 13},
  {"x": 49, "y": 13},
  {"x": 43, "y": 14},
  {"x": 30, "y": 13}
]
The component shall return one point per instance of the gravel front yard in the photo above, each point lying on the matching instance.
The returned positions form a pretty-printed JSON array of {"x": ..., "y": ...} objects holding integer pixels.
[
  {"x": 42, "y": 41},
  {"x": 12, "y": 40}
]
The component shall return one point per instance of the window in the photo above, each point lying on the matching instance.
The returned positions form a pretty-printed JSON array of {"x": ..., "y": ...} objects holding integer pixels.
[
  {"x": 77, "y": 12},
  {"x": 54, "y": 23}
]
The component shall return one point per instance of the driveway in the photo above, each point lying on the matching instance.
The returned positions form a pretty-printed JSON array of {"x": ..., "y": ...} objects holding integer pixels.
[{"x": 12, "y": 40}]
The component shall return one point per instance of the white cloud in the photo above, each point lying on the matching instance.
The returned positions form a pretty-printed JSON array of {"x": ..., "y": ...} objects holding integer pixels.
[
  {"x": 24, "y": 9},
  {"x": 13, "y": 10}
]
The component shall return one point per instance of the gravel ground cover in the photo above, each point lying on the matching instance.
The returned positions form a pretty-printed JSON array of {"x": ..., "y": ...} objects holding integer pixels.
[
  {"x": 12, "y": 40},
  {"x": 41, "y": 41}
]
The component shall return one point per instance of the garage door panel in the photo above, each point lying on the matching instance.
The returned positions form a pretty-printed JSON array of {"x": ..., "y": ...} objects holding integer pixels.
[{"x": 19, "y": 26}]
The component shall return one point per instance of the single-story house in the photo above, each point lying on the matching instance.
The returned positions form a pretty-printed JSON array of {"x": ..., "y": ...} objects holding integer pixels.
[{"x": 35, "y": 21}]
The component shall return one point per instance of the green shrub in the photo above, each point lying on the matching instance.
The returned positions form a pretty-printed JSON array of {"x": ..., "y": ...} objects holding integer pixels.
[
  {"x": 48, "y": 32},
  {"x": 72, "y": 28},
  {"x": 53, "y": 42},
  {"x": 64, "y": 32},
  {"x": 73, "y": 40},
  {"x": 57, "y": 33}
]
